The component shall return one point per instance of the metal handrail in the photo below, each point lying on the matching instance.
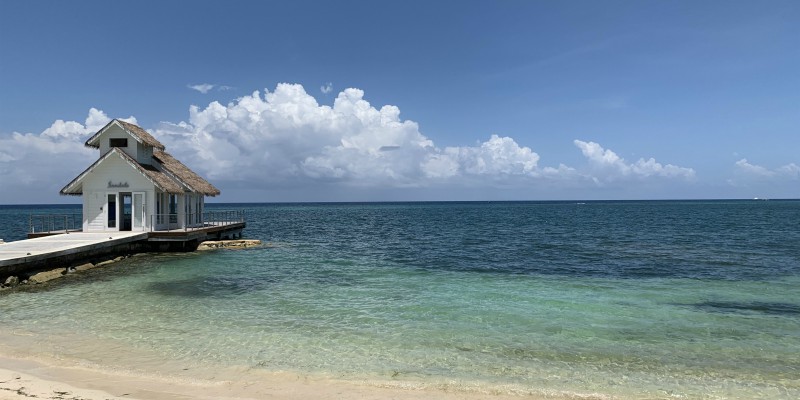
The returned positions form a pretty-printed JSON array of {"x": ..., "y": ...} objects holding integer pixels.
[
  {"x": 43, "y": 223},
  {"x": 171, "y": 222}
]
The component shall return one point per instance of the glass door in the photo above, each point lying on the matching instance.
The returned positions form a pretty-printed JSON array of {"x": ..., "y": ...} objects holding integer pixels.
[
  {"x": 126, "y": 201},
  {"x": 138, "y": 211},
  {"x": 111, "y": 211}
]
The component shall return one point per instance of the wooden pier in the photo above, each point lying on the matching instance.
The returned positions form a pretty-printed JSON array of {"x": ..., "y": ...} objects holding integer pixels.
[{"x": 51, "y": 249}]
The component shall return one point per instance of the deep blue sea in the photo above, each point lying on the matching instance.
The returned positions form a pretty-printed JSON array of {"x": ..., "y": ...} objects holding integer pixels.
[{"x": 631, "y": 299}]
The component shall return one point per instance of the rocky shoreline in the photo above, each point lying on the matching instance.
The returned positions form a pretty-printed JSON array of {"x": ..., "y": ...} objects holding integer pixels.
[{"x": 47, "y": 275}]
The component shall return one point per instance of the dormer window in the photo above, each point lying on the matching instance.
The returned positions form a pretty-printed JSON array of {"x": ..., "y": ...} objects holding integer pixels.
[{"x": 123, "y": 142}]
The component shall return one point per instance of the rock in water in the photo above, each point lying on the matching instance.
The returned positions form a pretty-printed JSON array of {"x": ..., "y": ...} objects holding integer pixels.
[
  {"x": 11, "y": 281},
  {"x": 84, "y": 267},
  {"x": 239, "y": 244},
  {"x": 45, "y": 276}
]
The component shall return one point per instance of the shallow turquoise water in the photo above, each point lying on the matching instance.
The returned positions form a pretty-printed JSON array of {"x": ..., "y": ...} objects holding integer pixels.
[{"x": 640, "y": 299}]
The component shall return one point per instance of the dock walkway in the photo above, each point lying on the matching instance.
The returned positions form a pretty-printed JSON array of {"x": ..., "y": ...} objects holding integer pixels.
[
  {"x": 65, "y": 249},
  {"x": 48, "y": 247}
]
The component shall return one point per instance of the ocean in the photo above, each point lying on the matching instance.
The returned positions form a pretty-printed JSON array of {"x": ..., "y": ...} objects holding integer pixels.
[{"x": 631, "y": 299}]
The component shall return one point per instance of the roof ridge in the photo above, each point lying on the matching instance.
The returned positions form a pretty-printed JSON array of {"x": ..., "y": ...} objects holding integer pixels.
[{"x": 134, "y": 130}]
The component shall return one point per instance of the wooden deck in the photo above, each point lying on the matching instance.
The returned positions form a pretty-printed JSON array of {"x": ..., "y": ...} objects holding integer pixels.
[
  {"x": 69, "y": 248},
  {"x": 43, "y": 248}
]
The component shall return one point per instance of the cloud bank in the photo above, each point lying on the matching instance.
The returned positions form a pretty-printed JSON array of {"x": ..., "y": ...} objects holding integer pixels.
[{"x": 286, "y": 139}]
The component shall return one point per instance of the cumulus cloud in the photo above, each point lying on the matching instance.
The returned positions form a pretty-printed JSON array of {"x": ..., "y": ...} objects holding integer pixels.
[
  {"x": 285, "y": 139},
  {"x": 45, "y": 162},
  {"x": 326, "y": 88},
  {"x": 72, "y": 130},
  {"x": 286, "y": 135},
  {"x": 608, "y": 166}
]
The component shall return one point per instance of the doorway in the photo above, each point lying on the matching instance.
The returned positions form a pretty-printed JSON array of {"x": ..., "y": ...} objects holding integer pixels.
[
  {"x": 111, "y": 210},
  {"x": 127, "y": 211}
]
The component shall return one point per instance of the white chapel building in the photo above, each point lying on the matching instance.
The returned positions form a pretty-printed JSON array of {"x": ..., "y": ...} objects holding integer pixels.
[{"x": 137, "y": 186}]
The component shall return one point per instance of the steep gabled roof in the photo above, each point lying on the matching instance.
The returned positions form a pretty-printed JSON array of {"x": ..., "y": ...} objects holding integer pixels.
[
  {"x": 138, "y": 133},
  {"x": 160, "y": 179},
  {"x": 184, "y": 175}
]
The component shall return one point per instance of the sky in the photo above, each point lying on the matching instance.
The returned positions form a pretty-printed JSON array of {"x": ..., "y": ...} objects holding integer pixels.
[{"x": 412, "y": 100}]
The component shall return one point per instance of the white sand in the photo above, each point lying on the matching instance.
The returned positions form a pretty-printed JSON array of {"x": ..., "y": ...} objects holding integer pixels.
[{"x": 29, "y": 379}]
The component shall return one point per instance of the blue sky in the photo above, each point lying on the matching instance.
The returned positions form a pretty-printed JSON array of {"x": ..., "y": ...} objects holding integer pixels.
[{"x": 412, "y": 100}]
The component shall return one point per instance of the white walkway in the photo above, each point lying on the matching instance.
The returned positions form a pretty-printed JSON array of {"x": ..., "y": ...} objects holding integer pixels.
[{"x": 29, "y": 250}]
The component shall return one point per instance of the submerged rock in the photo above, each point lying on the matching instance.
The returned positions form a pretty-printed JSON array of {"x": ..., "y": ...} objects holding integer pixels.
[
  {"x": 84, "y": 267},
  {"x": 104, "y": 263},
  {"x": 45, "y": 276},
  {"x": 217, "y": 244}
]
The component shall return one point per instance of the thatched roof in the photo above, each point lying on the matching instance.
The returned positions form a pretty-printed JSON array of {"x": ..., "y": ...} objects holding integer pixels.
[
  {"x": 165, "y": 172},
  {"x": 134, "y": 130},
  {"x": 160, "y": 179},
  {"x": 184, "y": 175}
]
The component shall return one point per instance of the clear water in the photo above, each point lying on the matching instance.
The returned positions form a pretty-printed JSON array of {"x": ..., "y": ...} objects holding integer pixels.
[{"x": 633, "y": 299}]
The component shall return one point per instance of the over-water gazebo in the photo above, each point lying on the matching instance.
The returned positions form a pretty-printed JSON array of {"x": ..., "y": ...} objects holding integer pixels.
[{"x": 136, "y": 185}]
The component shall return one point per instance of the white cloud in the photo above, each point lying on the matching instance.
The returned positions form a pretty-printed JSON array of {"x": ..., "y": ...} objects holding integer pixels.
[
  {"x": 43, "y": 163},
  {"x": 202, "y": 87},
  {"x": 759, "y": 181},
  {"x": 326, "y": 88},
  {"x": 73, "y": 130},
  {"x": 790, "y": 170},
  {"x": 747, "y": 171},
  {"x": 285, "y": 139},
  {"x": 286, "y": 135},
  {"x": 751, "y": 169},
  {"x": 608, "y": 166},
  {"x": 497, "y": 156}
]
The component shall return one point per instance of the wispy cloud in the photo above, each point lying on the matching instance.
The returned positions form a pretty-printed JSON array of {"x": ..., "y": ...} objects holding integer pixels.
[
  {"x": 746, "y": 169},
  {"x": 326, "y": 88},
  {"x": 207, "y": 87},
  {"x": 764, "y": 182},
  {"x": 202, "y": 87}
]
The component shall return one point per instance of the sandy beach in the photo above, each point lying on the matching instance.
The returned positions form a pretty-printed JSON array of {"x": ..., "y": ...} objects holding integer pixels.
[{"x": 26, "y": 379}]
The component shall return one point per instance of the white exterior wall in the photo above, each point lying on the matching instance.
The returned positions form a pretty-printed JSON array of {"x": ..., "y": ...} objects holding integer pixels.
[
  {"x": 95, "y": 192},
  {"x": 93, "y": 215},
  {"x": 115, "y": 132}
]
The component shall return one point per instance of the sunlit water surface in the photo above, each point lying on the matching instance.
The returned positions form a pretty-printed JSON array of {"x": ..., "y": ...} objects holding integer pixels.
[{"x": 639, "y": 299}]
